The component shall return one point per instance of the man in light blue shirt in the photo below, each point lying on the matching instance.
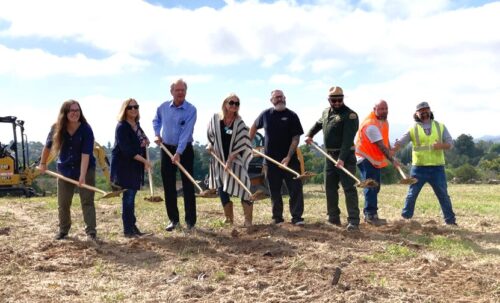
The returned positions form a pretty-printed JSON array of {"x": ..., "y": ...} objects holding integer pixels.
[{"x": 175, "y": 120}]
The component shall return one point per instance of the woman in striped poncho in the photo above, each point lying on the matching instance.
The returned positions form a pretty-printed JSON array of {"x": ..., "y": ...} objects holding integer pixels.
[{"x": 228, "y": 140}]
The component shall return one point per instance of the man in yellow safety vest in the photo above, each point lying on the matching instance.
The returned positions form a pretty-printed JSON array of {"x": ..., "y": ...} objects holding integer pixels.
[{"x": 429, "y": 138}]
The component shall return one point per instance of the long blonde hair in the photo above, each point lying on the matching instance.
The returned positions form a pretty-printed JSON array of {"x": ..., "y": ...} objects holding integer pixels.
[
  {"x": 62, "y": 123},
  {"x": 122, "y": 114},
  {"x": 223, "y": 112}
]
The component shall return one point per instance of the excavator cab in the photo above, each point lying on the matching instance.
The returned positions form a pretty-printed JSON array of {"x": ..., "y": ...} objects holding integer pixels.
[{"x": 15, "y": 177}]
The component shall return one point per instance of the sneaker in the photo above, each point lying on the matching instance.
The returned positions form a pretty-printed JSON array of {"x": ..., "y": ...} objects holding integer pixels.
[
  {"x": 61, "y": 235},
  {"x": 277, "y": 221},
  {"x": 352, "y": 227},
  {"x": 375, "y": 220},
  {"x": 171, "y": 226},
  {"x": 299, "y": 222}
]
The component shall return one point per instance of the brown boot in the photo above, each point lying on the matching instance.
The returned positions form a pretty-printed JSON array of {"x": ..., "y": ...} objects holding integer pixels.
[
  {"x": 248, "y": 212},
  {"x": 228, "y": 212}
]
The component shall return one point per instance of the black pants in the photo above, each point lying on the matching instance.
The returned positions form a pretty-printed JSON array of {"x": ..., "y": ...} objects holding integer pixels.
[
  {"x": 275, "y": 176},
  {"x": 333, "y": 176},
  {"x": 168, "y": 175}
]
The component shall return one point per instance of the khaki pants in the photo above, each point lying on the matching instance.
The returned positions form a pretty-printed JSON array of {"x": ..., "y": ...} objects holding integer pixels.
[{"x": 65, "y": 191}]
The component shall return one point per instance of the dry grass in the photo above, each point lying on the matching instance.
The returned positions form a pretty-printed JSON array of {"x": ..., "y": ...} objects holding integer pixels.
[{"x": 417, "y": 261}]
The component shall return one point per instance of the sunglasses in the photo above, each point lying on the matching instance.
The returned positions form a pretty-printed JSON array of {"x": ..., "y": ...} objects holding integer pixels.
[
  {"x": 236, "y": 103},
  {"x": 336, "y": 99},
  {"x": 129, "y": 107}
]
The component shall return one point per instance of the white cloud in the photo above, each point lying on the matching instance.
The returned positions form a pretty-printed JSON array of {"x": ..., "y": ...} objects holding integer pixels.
[
  {"x": 36, "y": 63},
  {"x": 284, "y": 79}
]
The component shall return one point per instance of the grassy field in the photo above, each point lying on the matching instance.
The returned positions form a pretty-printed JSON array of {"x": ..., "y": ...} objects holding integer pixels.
[{"x": 420, "y": 260}]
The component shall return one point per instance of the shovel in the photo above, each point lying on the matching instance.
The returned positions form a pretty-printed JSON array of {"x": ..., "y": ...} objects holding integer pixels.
[
  {"x": 306, "y": 175},
  {"x": 151, "y": 198},
  {"x": 258, "y": 195},
  {"x": 362, "y": 184},
  {"x": 106, "y": 195},
  {"x": 405, "y": 179},
  {"x": 203, "y": 193}
]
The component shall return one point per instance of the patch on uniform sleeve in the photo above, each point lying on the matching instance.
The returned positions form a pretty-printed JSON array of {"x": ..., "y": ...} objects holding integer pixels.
[{"x": 353, "y": 116}]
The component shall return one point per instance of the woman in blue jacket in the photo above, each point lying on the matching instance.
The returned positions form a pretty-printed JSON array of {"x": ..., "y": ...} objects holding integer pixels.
[{"x": 129, "y": 162}]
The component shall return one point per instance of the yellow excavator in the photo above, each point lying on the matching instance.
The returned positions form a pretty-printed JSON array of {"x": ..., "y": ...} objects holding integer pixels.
[{"x": 17, "y": 174}]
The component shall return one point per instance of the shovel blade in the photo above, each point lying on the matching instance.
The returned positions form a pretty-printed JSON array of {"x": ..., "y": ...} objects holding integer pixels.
[
  {"x": 209, "y": 193},
  {"x": 154, "y": 199},
  {"x": 258, "y": 195},
  {"x": 367, "y": 183},
  {"x": 113, "y": 194},
  {"x": 408, "y": 181}
]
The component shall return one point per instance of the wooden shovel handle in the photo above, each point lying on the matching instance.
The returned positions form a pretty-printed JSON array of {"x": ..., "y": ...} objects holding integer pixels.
[
  {"x": 401, "y": 172},
  {"x": 150, "y": 176},
  {"x": 59, "y": 176},
  {"x": 231, "y": 173},
  {"x": 334, "y": 161},
  {"x": 181, "y": 168},
  {"x": 276, "y": 162}
]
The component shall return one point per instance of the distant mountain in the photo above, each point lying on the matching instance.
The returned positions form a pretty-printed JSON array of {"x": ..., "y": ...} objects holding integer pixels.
[{"x": 494, "y": 139}]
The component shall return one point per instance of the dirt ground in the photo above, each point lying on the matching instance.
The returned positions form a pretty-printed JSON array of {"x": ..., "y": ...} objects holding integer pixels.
[{"x": 266, "y": 263}]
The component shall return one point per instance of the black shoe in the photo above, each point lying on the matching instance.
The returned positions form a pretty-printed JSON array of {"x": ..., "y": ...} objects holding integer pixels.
[
  {"x": 92, "y": 236},
  {"x": 189, "y": 227},
  {"x": 334, "y": 221},
  {"x": 451, "y": 224},
  {"x": 138, "y": 232},
  {"x": 375, "y": 220},
  {"x": 61, "y": 235},
  {"x": 130, "y": 235},
  {"x": 277, "y": 221},
  {"x": 298, "y": 222},
  {"x": 171, "y": 226},
  {"x": 352, "y": 227}
]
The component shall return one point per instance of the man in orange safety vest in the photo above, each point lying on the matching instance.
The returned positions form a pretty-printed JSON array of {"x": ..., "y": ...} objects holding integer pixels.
[{"x": 373, "y": 153}]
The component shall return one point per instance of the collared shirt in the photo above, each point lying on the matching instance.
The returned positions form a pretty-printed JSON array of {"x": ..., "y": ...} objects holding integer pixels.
[
  {"x": 175, "y": 123},
  {"x": 72, "y": 148}
]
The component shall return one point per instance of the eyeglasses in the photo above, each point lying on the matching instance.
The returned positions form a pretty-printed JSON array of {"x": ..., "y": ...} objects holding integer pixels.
[
  {"x": 236, "y": 103},
  {"x": 129, "y": 107},
  {"x": 74, "y": 110},
  {"x": 336, "y": 99}
]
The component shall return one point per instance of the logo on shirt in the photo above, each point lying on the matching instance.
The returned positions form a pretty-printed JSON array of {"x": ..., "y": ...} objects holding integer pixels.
[{"x": 284, "y": 118}]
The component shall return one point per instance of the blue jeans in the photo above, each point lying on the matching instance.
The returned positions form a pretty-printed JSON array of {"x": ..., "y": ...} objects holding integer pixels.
[
  {"x": 436, "y": 177},
  {"x": 128, "y": 215},
  {"x": 368, "y": 171}
]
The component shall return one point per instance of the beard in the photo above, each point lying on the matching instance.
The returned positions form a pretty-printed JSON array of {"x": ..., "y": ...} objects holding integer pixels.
[
  {"x": 424, "y": 116},
  {"x": 281, "y": 106}
]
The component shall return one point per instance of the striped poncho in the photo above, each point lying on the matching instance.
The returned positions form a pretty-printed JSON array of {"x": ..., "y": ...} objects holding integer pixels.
[{"x": 240, "y": 143}]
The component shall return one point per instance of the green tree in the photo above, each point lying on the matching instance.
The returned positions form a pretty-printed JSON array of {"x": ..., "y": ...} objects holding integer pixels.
[{"x": 466, "y": 172}]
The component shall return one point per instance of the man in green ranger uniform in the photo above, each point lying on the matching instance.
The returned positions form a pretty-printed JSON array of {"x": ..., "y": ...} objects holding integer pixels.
[{"x": 339, "y": 124}]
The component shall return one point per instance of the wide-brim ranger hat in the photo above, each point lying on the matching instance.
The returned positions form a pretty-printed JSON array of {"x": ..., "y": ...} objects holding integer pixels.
[
  {"x": 336, "y": 91},
  {"x": 423, "y": 105}
]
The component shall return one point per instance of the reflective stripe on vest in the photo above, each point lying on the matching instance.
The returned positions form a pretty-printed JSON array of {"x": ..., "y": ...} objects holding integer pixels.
[
  {"x": 369, "y": 150},
  {"x": 423, "y": 154}
]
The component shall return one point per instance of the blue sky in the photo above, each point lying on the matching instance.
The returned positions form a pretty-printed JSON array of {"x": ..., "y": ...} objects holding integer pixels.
[{"x": 102, "y": 52}]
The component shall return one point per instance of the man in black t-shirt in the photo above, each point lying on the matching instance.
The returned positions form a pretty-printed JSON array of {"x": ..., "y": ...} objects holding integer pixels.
[{"x": 282, "y": 133}]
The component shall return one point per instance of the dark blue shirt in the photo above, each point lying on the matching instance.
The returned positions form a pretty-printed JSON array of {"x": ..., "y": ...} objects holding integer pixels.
[
  {"x": 127, "y": 172},
  {"x": 280, "y": 127},
  {"x": 72, "y": 148}
]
